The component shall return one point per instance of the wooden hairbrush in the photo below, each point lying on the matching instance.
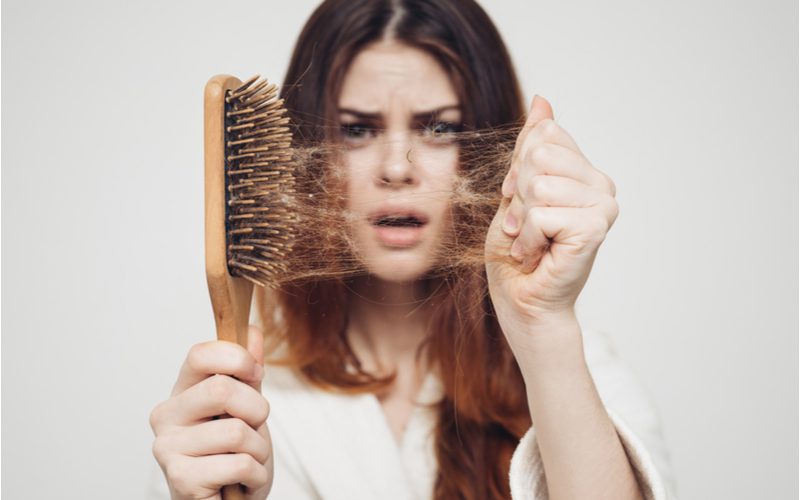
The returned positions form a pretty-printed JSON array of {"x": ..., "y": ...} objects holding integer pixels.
[{"x": 249, "y": 186}]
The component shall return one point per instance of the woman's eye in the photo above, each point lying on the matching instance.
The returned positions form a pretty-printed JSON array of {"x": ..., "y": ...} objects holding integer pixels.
[
  {"x": 357, "y": 131},
  {"x": 441, "y": 130}
]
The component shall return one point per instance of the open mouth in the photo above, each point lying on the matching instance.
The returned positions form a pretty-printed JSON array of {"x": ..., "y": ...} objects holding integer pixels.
[
  {"x": 399, "y": 228},
  {"x": 399, "y": 221}
]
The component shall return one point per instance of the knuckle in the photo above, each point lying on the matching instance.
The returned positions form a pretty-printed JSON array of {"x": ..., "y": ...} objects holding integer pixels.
[
  {"x": 549, "y": 127},
  {"x": 220, "y": 388},
  {"x": 244, "y": 363},
  {"x": 538, "y": 187},
  {"x": 539, "y": 154},
  {"x": 613, "y": 209},
  {"x": 239, "y": 360},
  {"x": 194, "y": 359},
  {"x": 242, "y": 465},
  {"x": 237, "y": 433},
  {"x": 263, "y": 411},
  {"x": 156, "y": 417},
  {"x": 610, "y": 185}
]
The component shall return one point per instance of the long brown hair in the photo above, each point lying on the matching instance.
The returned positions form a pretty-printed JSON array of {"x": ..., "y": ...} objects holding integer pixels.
[{"x": 483, "y": 412}]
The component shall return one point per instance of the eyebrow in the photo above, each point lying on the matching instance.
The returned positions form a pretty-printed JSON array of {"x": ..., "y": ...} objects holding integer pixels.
[{"x": 419, "y": 116}]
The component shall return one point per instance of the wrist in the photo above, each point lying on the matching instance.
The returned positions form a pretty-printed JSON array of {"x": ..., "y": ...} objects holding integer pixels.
[
  {"x": 543, "y": 332},
  {"x": 552, "y": 343}
]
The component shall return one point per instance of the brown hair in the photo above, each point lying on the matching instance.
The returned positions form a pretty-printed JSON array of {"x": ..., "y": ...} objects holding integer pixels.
[{"x": 483, "y": 412}]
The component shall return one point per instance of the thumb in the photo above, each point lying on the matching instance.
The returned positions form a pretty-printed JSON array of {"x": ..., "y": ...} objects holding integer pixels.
[
  {"x": 255, "y": 346},
  {"x": 540, "y": 110}
]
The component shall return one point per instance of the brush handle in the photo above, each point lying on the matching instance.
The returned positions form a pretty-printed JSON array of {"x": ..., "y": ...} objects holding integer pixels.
[
  {"x": 231, "y": 303},
  {"x": 233, "y": 492},
  {"x": 230, "y": 296}
]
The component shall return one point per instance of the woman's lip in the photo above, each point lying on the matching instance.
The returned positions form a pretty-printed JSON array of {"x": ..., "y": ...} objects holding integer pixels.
[
  {"x": 397, "y": 212},
  {"x": 402, "y": 237}
]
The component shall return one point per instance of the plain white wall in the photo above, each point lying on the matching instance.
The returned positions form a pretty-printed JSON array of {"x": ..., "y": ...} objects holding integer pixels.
[{"x": 690, "y": 106}]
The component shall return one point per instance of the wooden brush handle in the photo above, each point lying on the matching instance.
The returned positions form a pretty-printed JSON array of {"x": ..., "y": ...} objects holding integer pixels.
[
  {"x": 230, "y": 296},
  {"x": 231, "y": 303},
  {"x": 233, "y": 492}
]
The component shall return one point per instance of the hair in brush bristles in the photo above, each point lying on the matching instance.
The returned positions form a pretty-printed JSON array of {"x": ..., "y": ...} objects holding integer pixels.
[
  {"x": 259, "y": 181},
  {"x": 278, "y": 182}
]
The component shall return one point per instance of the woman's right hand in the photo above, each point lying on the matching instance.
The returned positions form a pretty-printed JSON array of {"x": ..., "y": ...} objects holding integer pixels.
[{"x": 200, "y": 454}]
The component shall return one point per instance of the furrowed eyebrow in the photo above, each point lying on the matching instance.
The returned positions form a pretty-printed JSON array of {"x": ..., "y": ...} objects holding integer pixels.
[
  {"x": 361, "y": 115},
  {"x": 434, "y": 113},
  {"x": 418, "y": 116}
]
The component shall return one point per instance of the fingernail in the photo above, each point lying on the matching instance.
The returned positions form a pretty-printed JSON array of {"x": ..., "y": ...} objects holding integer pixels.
[
  {"x": 516, "y": 250},
  {"x": 510, "y": 224},
  {"x": 258, "y": 372}
]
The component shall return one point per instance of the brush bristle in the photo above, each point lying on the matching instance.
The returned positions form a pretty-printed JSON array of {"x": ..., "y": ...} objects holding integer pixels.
[{"x": 259, "y": 182}]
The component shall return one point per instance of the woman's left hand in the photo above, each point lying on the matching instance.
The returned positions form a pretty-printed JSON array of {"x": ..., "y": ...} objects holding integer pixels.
[{"x": 555, "y": 213}]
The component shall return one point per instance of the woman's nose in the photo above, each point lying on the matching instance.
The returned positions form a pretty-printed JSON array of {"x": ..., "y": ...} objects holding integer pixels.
[{"x": 397, "y": 168}]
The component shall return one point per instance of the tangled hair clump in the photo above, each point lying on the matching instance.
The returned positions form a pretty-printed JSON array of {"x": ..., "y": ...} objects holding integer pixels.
[
  {"x": 326, "y": 251},
  {"x": 483, "y": 412}
]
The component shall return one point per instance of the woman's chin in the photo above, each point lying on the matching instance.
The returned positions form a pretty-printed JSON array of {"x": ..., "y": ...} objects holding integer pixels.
[{"x": 398, "y": 269}]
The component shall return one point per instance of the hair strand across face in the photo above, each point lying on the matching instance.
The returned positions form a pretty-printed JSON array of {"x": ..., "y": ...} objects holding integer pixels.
[{"x": 483, "y": 412}]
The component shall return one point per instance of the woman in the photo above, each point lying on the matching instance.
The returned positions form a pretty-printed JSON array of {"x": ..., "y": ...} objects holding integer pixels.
[{"x": 409, "y": 380}]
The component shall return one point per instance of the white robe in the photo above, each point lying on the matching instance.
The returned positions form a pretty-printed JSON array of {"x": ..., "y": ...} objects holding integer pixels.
[{"x": 331, "y": 446}]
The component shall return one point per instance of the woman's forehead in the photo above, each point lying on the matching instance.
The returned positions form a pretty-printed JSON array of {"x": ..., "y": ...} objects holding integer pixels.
[{"x": 387, "y": 74}]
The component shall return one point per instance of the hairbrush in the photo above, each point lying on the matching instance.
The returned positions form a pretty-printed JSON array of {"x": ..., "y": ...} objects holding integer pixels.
[{"x": 249, "y": 187}]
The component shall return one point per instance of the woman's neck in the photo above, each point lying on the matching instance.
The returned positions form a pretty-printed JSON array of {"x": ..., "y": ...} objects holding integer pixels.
[{"x": 387, "y": 322}]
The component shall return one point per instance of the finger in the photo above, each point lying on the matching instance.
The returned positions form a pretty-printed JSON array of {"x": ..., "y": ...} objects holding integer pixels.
[
  {"x": 556, "y": 191},
  {"x": 227, "y": 435},
  {"x": 514, "y": 216},
  {"x": 579, "y": 230},
  {"x": 216, "y": 395},
  {"x": 554, "y": 159},
  {"x": 217, "y": 356},
  {"x": 540, "y": 110},
  {"x": 545, "y": 132},
  {"x": 212, "y": 472},
  {"x": 531, "y": 243}
]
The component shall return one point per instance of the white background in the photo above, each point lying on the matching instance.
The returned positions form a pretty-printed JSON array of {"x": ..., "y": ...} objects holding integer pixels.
[{"x": 690, "y": 106}]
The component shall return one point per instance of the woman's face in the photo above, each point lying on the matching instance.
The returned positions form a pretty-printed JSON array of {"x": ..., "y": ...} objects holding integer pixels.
[{"x": 398, "y": 112}]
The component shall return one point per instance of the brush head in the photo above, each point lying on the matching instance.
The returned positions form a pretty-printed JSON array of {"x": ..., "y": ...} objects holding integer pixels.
[{"x": 259, "y": 182}]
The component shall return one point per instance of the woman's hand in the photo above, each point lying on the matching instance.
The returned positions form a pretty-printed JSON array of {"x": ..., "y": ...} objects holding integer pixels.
[
  {"x": 200, "y": 454},
  {"x": 555, "y": 213}
]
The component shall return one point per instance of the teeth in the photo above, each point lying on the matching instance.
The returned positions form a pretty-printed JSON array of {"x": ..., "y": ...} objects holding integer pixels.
[{"x": 399, "y": 221}]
